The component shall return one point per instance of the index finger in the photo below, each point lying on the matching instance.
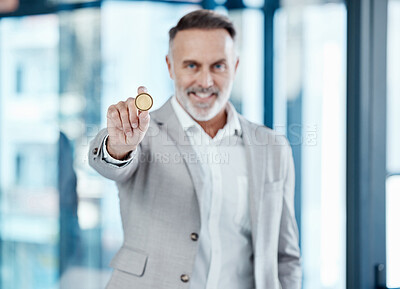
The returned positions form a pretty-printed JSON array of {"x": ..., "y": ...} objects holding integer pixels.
[
  {"x": 142, "y": 89},
  {"x": 132, "y": 112}
]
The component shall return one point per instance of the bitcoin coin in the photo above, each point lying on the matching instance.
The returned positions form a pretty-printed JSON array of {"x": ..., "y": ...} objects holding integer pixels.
[{"x": 144, "y": 101}]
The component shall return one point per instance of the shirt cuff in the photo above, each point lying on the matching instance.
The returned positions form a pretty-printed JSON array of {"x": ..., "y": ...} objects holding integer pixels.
[{"x": 109, "y": 159}]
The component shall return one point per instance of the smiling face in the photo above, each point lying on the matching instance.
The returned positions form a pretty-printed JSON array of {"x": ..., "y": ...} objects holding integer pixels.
[{"x": 202, "y": 63}]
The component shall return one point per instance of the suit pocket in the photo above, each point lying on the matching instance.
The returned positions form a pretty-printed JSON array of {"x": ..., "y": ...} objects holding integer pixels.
[{"x": 129, "y": 261}]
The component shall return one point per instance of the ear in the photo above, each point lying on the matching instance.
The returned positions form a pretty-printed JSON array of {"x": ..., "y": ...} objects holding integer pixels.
[
  {"x": 236, "y": 64},
  {"x": 170, "y": 66}
]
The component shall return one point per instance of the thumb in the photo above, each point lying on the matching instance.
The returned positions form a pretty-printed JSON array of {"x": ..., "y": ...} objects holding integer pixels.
[{"x": 144, "y": 120}]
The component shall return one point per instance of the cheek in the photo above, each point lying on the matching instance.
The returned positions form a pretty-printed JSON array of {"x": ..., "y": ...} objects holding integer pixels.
[
  {"x": 184, "y": 81},
  {"x": 224, "y": 81}
]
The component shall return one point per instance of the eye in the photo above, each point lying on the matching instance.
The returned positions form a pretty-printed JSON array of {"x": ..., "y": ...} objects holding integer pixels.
[
  {"x": 219, "y": 67},
  {"x": 191, "y": 66}
]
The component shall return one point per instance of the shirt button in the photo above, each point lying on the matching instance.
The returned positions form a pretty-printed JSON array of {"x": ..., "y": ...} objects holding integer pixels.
[
  {"x": 194, "y": 237},
  {"x": 184, "y": 278},
  {"x": 95, "y": 150}
]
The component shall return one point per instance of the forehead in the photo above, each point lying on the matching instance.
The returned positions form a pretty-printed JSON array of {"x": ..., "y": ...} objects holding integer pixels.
[{"x": 200, "y": 43}]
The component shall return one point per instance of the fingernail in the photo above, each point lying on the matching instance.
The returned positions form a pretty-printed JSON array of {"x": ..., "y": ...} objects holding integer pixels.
[
  {"x": 134, "y": 125},
  {"x": 129, "y": 134}
]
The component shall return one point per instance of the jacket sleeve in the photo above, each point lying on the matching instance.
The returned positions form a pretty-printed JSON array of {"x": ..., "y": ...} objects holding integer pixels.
[
  {"x": 108, "y": 170},
  {"x": 289, "y": 265}
]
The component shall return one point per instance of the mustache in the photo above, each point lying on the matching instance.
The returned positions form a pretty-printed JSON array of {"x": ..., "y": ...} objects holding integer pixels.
[{"x": 207, "y": 90}]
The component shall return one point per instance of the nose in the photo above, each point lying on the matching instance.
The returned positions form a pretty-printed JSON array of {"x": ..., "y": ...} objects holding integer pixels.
[{"x": 205, "y": 78}]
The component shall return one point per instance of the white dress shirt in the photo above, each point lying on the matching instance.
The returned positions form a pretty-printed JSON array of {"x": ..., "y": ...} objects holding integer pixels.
[{"x": 224, "y": 257}]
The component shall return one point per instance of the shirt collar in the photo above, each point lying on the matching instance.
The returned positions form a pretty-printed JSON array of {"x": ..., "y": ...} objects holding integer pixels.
[{"x": 232, "y": 126}]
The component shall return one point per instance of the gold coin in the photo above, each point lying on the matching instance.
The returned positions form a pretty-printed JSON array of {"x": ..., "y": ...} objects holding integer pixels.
[{"x": 144, "y": 101}]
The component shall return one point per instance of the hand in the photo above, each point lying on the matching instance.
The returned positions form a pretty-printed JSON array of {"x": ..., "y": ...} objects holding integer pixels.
[{"x": 126, "y": 127}]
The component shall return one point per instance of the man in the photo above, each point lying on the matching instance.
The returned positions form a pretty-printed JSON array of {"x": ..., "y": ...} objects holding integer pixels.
[{"x": 206, "y": 197}]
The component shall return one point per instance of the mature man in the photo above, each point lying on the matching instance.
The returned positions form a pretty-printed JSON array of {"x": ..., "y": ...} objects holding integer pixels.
[{"x": 206, "y": 197}]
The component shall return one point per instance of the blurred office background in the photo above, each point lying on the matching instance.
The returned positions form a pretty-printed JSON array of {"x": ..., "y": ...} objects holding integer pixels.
[{"x": 325, "y": 73}]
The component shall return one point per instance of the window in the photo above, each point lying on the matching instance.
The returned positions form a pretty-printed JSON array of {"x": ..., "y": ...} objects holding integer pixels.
[
  {"x": 310, "y": 108},
  {"x": 393, "y": 146},
  {"x": 59, "y": 220}
]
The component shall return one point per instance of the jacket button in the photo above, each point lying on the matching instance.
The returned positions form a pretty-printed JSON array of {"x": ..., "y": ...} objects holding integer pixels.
[
  {"x": 95, "y": 150},
  {"x": 184, "y": 278},
  {"x": 194, "y": 237}
]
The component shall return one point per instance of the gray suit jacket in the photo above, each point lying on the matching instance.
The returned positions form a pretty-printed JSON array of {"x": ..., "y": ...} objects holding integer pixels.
[{"x": 159, "y": 192}]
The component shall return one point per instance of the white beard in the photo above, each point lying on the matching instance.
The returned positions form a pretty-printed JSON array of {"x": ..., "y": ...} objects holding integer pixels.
[{"x": 201, "y": 111}]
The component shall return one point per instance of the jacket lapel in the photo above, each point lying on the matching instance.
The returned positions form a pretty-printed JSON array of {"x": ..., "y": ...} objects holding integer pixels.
[
  {"x": 167, "y": 120},
  {"x": 255, "y": 153}
]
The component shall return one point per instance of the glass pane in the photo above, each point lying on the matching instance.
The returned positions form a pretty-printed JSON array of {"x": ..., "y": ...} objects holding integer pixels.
[
  {"x": 310, "y": 108},
  {"x": 393, "y": 146},
  {"x": 254, "y": 3},
  {"x": 393, "y": 87},
  {"x": 247, "y": 93},
  {"x": 29, "y": 141},
  {"x": 85, "y": 199},
  {"x": 392, "y": 231},
  {"x": 51, "y": 224}
]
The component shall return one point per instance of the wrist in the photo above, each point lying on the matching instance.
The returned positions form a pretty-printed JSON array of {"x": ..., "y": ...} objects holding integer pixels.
[{"x": 119, "y": 154}]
